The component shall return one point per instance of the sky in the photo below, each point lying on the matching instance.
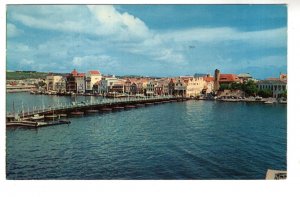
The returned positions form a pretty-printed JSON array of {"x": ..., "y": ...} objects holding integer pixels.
[{"x": 149, "y": 40}]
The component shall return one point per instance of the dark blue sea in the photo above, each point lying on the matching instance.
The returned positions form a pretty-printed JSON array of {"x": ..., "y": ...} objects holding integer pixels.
[{"x": 184, "y": 140}]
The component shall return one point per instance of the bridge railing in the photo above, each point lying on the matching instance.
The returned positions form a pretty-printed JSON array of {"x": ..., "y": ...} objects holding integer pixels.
[{"x": 61, "y": 106}]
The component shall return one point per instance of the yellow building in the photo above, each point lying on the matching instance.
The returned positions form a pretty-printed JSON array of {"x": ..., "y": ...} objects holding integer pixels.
[
  {"x": 92, "y": 77},
  {"x": 52, "y": 82},
  {"x": 195, "y": 86}
]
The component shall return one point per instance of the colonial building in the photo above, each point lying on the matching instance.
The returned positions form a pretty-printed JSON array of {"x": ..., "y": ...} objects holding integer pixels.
[
  {"x": 244, "y": 77},
  {"x": 276, "y": 86},
  {"x": 118, "y": 86},
  {"x": 226, "y": 79},
  {"x": 52, "y": 82},
  {"x": 195, "y": 86},
  {"x": 150, "y": 88},
  {"x": 61, "y": 85},
  {"x": 92, "y": 77},
  {"x": 106, "y": 84},
  {"x": 180, "y": 87},
  {"x": 71, "y": 82},
  {"x": 80, "y": 82},
  {"x": 209, "y": 84}
]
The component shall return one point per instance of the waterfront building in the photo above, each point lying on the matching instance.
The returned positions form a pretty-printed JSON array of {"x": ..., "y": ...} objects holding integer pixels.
[
  {"x": 106, "y": 83},
  {"x": 244, "y": 77},
  {"x": 276, "y": 85},
  {"x": 209, "y": 84},
  {"x": 195, "y": 86},
  {"x": 150, "y": 88},
  {"x": 171, "y": 86},
  {"x": 61, "y": 85},
  {"x": 225, "y": 79},
  {"x": 158, "y": 87},
  {"x": 92, "y": 77},
  {"x": 165, "y": 86},
  {"x": 71, "y": 82},
  {"x": 52, "y": 82},
  {"x": 180, "y": 85},
  {"x": 283, "y": 77},
  {"x": 80, "y": 83},
  {"x": 118, "y": 86}
]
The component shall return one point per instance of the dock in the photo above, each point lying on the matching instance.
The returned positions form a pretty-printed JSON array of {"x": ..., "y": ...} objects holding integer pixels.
[
  {"x": 33, "y": 124},
  {"x": 276, "y": 174}
]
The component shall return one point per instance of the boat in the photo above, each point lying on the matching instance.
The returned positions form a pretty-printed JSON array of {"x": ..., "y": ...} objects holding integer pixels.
[
  {"x": 90, "y": 111},
  {"x": 130, "y": 106},
  {"x": 105, "y": 109},
  {"x": 37, "y": 117},
  {"x": 54, "y": 116},
  {"x": 269, "y": 102},
  {"x": 77, "y": 113},
  {"x": 118, "y": 108}
]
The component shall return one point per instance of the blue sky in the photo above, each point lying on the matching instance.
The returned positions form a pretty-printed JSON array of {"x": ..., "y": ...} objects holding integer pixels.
[{"x": 152, "y": 40}]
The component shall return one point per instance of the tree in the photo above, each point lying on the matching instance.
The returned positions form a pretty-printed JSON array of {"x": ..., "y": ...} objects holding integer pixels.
[
  {"x": 250, "y": 88},
  {"x": 265, "y": 93},
  {"x": 224, "y": 87}
]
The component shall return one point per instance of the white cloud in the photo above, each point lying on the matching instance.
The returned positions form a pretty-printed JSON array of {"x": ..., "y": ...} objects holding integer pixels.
[
  {"x": 13, "y": 31},
  {"x": 26, "y": 62},
  {"x": 94, "y": 61},
  {"x": 268, "y": 38},
  {"x": 122, "y": 24},
  {"x": 123, "y": 35}
]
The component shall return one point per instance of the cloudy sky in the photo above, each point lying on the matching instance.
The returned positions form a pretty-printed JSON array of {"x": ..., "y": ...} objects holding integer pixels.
[{"x": 152, "y": 40}]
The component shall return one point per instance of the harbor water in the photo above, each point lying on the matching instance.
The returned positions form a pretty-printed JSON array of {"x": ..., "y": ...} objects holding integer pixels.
[{"x": 181, "y": 140}]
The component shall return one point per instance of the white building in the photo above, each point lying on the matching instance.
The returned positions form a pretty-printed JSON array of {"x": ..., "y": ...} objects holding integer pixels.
[
  {"x": 106, "y": 84},
  {"x": 92, "y": 77},
  {"x": 276, "y": 86}
]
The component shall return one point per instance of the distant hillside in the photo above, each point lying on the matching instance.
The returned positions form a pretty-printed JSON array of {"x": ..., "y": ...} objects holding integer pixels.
[{"x": 19, "y": 75}]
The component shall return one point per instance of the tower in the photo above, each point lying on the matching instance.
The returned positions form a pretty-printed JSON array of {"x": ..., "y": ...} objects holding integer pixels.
[{"x": 216, "y": 80}]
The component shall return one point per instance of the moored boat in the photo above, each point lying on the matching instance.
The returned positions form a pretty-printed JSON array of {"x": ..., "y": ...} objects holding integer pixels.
[{"x": 37, "y": 117}]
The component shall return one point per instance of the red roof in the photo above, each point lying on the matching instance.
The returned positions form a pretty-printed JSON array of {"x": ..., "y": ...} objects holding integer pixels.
[
  {"x": 94, "y": 72},
  {"x": 228, "y": 78},
  {"x": 80, "y": 74},
  {"x": 74, "y": 72},
  {"x": 208, "y": 79},
  {"x": 273, "y": 79}
]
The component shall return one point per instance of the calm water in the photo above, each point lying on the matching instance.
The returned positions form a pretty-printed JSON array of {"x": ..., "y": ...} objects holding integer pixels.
[{"x": 188, "y": 140}]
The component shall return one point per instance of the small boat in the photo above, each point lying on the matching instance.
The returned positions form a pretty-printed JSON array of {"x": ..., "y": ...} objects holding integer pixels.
[
  {"x": 90, "y": 111},
  {"x": 118, "y": 108},
  {"x": 62, "y": 115},
  {"x": 37, "y": 117},
  {"x": 130, "y": 106},
  {"x": 77, "y": 113},
  {"x": 268, "y": 102},
  {"x": 105, "y": 109},
  {"x": 54, "y": 116}
]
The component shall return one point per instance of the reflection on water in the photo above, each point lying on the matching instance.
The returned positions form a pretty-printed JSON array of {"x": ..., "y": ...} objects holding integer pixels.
[{"x": 184, "y": 140}]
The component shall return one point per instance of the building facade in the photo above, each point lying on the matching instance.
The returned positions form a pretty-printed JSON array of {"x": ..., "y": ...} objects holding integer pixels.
[
  {"x": 276, "y": 86},
  {"x": 52, "y": 82},
  {"x": 92, "y": 77}
]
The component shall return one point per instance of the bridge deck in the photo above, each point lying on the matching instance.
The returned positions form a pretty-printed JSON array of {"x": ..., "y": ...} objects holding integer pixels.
[{"x": 92, "y": 105}]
